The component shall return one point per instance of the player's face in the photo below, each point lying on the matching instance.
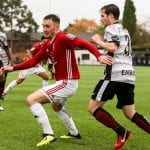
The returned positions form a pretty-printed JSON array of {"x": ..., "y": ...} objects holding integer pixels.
[
  {"x": 50, "y": 28},
  {"x": 105, "y": 20}
]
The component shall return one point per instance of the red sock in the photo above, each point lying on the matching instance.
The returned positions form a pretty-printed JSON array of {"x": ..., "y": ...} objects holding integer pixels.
[{"x": 105, "y": 118}]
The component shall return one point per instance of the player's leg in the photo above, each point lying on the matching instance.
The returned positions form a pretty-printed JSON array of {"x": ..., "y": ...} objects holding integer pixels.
[
  {"x": 2, "y": 80},
  {"x": 35, "y": 101},
  {"x": 59, "y": 92},
  {"x": 140, "y": 120},
  {"x": 41, "y": 72},
  {"x": 2, "y": 84},
  {"x": 45, "y": 78},
  {"x": 66, "y": 119},
  {"x": 103, "y": 91},
  {"x": 12, "y": 85}
]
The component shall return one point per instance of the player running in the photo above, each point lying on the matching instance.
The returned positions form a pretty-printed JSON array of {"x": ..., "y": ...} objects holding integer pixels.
[
  {"x": 23, "y": 74},
  {"x": 5, "y": 59},
  {"x": 119, "y": 78},
  {"x": 60, "y": 49}
]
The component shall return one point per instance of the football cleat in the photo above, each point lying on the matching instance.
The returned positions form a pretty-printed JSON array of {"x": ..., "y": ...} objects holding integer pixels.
[
  {"x": 46, "y": 140},
  {"x": 122, "y": 139},
  {"x": 69, "y": 136},
  {"x": 1, "y": 108}
]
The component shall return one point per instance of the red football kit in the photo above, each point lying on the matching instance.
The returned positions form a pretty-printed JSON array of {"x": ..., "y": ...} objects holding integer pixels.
[{"x": 61, "y": 52}]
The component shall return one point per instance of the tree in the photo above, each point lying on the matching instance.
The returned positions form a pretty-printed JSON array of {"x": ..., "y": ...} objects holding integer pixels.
[
  {"x": 129, "y": 17},
  {"x": 82, "y": 26},
  {"x": 142, "y": 36},
  {"x": 15, "y": 15}
]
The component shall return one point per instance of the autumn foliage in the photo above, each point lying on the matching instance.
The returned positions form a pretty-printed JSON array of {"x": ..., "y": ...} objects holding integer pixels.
[{"x": 82, "y": 26}]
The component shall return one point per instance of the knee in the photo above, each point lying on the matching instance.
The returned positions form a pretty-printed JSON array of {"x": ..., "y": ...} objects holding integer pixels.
[
  {"x": 90, "y": 109},
  {"x": 129, "y": 111},
  {"x": 19, "y": 81},
  {"x": 56, "y": 106},
  {"x": 46, "y": 78},
  {"x": 130, "y": 114},
  {"x": 30, "y": 100},
  {"x": 93, "y": 105}
]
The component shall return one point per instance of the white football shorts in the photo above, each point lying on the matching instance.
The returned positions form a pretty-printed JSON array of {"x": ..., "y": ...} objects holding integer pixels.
[
  {"x": 60, "y": 90},
  {"x": 23, "y": 74}
]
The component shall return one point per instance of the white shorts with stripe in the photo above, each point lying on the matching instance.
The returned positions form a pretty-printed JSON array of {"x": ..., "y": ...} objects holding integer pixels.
[
  {"x": 60, "y": 90},
  {"x": 23, "y": 74}
]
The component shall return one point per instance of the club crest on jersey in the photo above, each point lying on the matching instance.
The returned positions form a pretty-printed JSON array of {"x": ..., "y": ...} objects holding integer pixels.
[{"x": 71, "y": 36}]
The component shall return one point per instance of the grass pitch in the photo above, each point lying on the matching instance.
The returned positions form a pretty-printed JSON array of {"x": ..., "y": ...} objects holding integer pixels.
[{"x": 20, "y": 131}]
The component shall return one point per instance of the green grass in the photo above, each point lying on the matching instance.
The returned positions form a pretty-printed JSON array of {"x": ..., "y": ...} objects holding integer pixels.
[{"x": 20, "y": 131}]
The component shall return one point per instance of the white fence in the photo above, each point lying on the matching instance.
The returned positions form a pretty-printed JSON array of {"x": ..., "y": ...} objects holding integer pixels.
[{"x": 84, "y": 57}]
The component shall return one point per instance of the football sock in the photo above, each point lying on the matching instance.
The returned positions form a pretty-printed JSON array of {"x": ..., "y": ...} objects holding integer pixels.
[
  {"x": 106, "y": 119},
  {"x": 2, "y": 85},
  {"x": 141, "y": 122},
  {"x": 68, "y": 121},
  {"x": 10, "y": 86},
  {"x": 41, "y": 116},
  {"x": 44, "y": 83}
]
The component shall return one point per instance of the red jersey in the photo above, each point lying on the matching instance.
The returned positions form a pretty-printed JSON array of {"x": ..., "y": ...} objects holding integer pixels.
[{"x": 61, "y": 52}]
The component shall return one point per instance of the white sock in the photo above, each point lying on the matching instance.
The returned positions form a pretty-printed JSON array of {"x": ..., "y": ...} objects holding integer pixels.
[
  {"x": 41, "y": 116},
  {"x": 68, "y": 121},
  {"x": 44, "y": 83},
  {"x": 10, "y": 86}
]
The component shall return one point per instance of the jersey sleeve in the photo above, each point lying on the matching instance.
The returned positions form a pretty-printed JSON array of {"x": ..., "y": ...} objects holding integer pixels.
[
  {"x": 111, "y": 35},
  {"x": 3, "y": 38},
  {"x": 37, "y": 58},
  {"x": 81, "y": 43}
]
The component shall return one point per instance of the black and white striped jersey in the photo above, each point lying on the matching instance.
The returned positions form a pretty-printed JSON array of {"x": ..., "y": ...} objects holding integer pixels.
[
  {"x": 122, "y": 68},
  {"x": 3, "y": 57}
]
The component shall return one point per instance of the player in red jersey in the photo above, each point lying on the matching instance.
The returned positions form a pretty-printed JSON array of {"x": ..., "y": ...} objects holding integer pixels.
[
  {"x": 60, "y": 49},
  {"x": 23, "y": 74}
]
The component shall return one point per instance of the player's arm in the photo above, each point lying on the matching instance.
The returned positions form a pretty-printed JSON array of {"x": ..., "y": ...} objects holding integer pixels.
[
  {"x": 78, "y": 42},
  {"x": 38, "y": 57},
  {"x": 110, "y": 46}
]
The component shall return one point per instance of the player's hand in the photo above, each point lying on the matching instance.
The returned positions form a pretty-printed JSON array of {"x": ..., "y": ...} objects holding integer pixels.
[
  {"x": 7, "y": 68},
  {"x": 105, "y": 59},
  {"x": 96, "y": 38}
]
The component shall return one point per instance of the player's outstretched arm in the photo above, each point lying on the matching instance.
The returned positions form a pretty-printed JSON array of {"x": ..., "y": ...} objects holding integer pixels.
[{"x": 7, "y": 68}]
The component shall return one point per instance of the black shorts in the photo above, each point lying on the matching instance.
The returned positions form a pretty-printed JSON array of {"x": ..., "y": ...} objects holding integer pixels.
[
  {"x": 50, "y": 66},
  {"x": 106, "y": 90}
]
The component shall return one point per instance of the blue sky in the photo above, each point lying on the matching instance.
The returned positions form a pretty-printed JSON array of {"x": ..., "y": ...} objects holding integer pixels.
[{"x": 69, "y": 10}]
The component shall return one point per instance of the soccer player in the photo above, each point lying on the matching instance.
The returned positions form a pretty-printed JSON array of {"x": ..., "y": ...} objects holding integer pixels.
[
  {"x": 5, "y": 59},
  {"x": 60, "y": 49},
  {"x": 119, "y": 77},
  {"x": 23, "y": 74}
]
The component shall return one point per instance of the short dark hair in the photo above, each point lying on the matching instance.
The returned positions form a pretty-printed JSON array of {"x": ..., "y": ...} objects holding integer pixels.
[
  {"x": 112, "y": 9},
  {"x": 53, "y": 17}
]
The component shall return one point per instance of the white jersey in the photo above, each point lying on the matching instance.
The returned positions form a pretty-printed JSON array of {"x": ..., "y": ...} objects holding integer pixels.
[
  {"x": 3, "y": 57},
  {"x": 3, "y": 38},
  {"x": 122, "y": 68}
]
